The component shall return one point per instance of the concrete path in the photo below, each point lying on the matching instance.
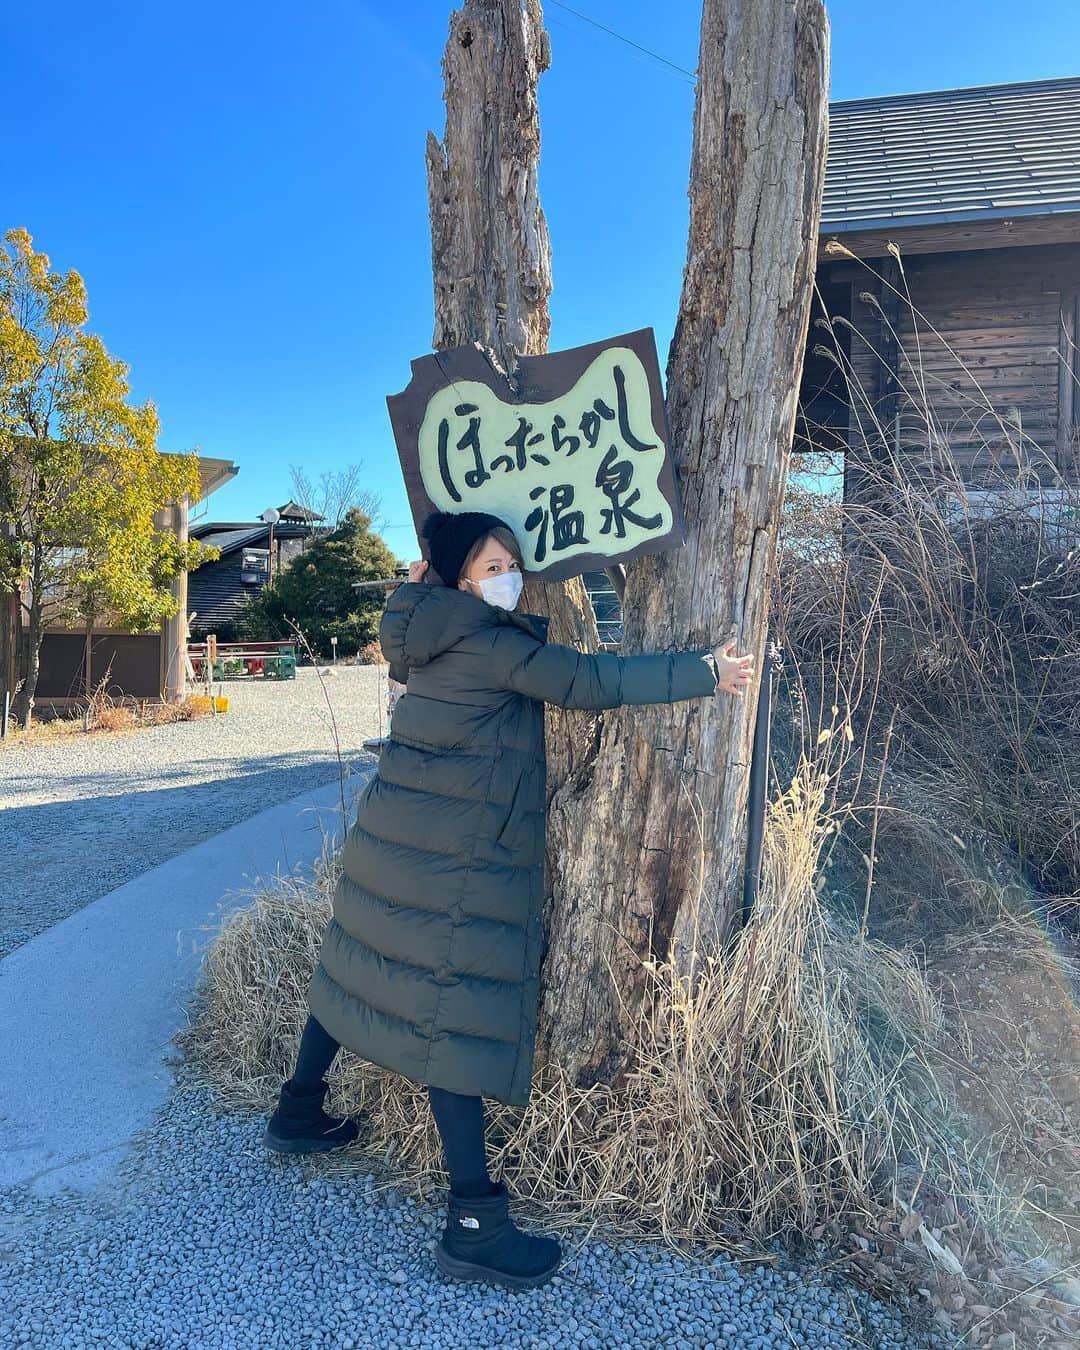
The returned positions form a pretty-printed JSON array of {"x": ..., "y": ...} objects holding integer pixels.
[
  {"x": 88, "y": 1008},
  {"x": 82, "y": 814}
]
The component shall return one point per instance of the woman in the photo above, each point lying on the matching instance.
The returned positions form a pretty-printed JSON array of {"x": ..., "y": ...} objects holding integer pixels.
[{"x": 430, "y": 965}]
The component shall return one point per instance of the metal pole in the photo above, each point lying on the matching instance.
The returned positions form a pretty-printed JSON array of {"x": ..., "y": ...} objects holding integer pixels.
[{"x": 759, "y": 774}]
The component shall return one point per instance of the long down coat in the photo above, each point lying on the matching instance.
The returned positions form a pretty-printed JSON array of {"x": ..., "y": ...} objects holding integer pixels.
[{"x": 430, "y": 965}]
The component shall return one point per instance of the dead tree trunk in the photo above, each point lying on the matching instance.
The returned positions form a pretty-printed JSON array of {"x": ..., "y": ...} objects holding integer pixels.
[
  {"x": 646, "y": 838},
  {"x": 490, "y": 251},
  {"x": 23, "y": 709}
]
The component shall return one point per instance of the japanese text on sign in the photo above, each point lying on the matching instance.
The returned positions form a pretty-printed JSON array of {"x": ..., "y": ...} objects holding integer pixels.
[{"x": 579, "y": 474}]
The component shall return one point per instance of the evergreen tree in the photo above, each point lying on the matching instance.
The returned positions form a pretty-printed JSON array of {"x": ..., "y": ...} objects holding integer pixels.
[{"x": 315, "y": 591}]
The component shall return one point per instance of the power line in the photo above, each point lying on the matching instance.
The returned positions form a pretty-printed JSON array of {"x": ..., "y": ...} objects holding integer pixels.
[{"x": 622, "y": 38}]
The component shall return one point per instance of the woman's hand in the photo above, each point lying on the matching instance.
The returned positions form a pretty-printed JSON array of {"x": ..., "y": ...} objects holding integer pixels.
[
  {"x": 417, "y": 570},
  {"x": 736, "y": 672}
]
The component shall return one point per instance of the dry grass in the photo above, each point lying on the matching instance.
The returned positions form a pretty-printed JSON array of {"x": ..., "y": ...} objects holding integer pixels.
[
  {"x": 954, "y": 624},
  {"x": 371, "y": 654},
  {"x": 944, "y": 634},
  {"x": 771, "y": 1097},
  {"x": 102, "y": 713},
  {"x": 797, "y": 1091}
]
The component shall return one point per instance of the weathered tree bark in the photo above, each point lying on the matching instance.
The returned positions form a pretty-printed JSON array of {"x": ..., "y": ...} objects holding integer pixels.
[
  {"x": 9, "y": 626},
  {"x": 646, "y": 837},
  {"x": 23, "y": 707},
  {"x": 491, "y": 254}
]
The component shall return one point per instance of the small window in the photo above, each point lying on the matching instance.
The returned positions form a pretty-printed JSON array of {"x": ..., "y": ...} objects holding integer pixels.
[{"x": 255, "y": 566}]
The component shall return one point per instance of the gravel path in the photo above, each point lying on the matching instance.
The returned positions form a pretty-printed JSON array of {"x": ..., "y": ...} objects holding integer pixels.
[
  {"x": 205, "y": 1241},
  {"x": 81, "y": 815}
]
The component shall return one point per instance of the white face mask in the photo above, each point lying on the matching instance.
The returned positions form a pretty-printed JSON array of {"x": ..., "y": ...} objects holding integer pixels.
[{"x": 503, "y": 590}]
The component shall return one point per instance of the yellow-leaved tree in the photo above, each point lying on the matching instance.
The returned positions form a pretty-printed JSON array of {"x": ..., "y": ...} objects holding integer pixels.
[{"x": 81, "y": 478}]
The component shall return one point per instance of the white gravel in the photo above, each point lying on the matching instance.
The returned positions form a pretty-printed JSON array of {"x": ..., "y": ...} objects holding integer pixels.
[
  {"x": 83, "y": 814},
  {"x": 205, "y": 1241}
]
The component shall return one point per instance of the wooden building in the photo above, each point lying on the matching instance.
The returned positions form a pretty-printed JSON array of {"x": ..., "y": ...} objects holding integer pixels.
[
  {"x": 966, "y": 341},
  {"x": 251, "y": 554},
  {"x": 145, "y": 665}
]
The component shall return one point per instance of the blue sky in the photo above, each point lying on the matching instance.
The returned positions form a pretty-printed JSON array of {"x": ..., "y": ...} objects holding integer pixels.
[{"x": 242, "y": 187}]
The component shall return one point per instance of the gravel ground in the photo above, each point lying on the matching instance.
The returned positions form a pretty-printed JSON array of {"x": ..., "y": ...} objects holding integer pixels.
[
  {"x": 83, "y": 814},
  {"x": 204, "y": 1240}
]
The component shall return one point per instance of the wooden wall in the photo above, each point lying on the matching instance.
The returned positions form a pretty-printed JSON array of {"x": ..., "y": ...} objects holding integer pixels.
[
  {"x": 69, "y": 660},
  {"x": 986, "y": 343}
]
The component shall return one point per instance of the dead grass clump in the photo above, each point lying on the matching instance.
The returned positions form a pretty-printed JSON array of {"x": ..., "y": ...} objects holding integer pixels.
[
  {"x": 102, "y": 711},
  {"x": 107, "y": 713},
  {"x": 251, "y": 1003},
  {"x": 770, "y": 1096},
  {"x": 371, "y": 654},
  {"x": 943, "y": 598},
  {"x": 119, "y": 717},
  {"x": 186, "y": 710},
  {"x": 807, "y": 1086},
  {"x": 939, "y": 603}
]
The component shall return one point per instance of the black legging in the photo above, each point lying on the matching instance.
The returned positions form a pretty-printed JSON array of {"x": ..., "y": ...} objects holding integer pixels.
[{"x": 459, "y": 1119}]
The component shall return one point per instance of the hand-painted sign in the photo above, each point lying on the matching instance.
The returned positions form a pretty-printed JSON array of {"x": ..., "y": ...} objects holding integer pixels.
[{"x": 571, "y": 451}]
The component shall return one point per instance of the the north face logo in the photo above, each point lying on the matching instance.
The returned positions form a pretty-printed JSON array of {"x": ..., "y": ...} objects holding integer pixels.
[{"x": 469, "y": 1223}]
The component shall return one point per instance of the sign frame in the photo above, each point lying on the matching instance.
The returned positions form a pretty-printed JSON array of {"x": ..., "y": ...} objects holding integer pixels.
[{"x": 536, "y": 380}]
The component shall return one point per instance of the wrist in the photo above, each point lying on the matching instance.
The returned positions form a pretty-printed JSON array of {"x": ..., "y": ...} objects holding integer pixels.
[{"x": 711, "y": 655}]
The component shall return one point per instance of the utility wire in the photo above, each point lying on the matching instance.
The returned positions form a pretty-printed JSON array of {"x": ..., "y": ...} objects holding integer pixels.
[{"x": 629, "y": 41}]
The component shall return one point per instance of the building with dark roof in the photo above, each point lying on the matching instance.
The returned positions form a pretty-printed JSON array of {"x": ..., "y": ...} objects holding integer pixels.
[
  {"x": 963, "y": 335},
  {"x": 217, "y": 590}
]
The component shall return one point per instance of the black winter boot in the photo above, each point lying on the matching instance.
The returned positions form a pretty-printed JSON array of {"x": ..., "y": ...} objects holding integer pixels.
[
  {"x": 300, "y": 1125},
  {"x": 481, "y": 1242}
]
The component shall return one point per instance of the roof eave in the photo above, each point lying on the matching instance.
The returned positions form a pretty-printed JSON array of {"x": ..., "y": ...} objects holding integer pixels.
[
  {"x": 836, "y": 227},
  {"x": 214, "y": 473}
]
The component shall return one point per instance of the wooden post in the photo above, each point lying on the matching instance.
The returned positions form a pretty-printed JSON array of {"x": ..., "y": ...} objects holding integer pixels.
[
  {"x": 648, "y": 833},
  {"x": 1068, "y": 419}
]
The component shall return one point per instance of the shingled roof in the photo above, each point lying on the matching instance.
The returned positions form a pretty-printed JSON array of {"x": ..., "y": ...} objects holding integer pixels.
[{"x": 989, "y": 153}]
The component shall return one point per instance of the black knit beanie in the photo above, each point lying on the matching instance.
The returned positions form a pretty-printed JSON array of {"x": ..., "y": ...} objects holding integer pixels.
[{"x": 450, "y": 535}]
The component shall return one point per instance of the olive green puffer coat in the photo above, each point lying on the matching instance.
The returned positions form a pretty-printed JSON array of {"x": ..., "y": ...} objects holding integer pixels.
[{"x": 430, "y": 965}]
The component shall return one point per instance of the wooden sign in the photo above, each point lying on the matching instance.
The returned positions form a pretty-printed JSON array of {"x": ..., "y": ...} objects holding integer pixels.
[{"x": 572, "y": 452}]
